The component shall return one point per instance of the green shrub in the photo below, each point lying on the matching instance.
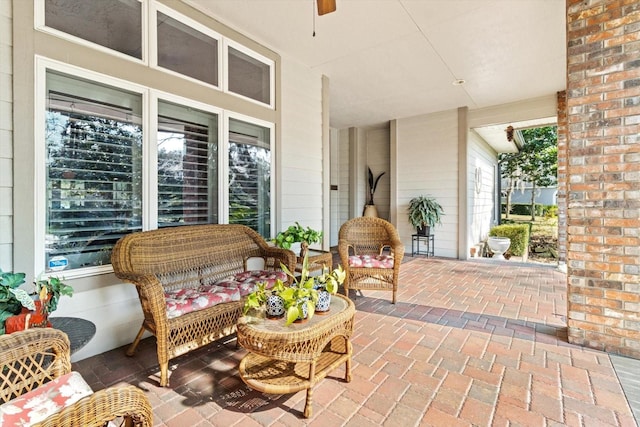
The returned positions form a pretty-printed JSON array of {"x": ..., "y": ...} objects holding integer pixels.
[
  {"x": 518, "y": 233},
  {"x": 548, "y": 211}
]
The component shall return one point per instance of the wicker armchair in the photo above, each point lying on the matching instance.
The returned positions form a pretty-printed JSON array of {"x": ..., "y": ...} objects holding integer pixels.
[
  {"x": 368, "y": 236},
  {"x": 36, "y": 356}
]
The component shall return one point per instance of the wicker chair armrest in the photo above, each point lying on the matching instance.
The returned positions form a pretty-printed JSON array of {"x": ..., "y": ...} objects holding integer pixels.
[
  {"x": 103, "y": 406},
  {"x": 25, "y": 357},
  {"x": 285, "y": 256},
  {"x": 397, "y": 249}
]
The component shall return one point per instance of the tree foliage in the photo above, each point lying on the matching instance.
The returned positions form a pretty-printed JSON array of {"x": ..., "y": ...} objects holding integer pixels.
[{"x": 536, "y": 163}]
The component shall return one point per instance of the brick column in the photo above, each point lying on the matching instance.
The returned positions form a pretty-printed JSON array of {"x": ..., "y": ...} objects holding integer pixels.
[
  {"x": 561, "y": 198},
  {"x": 603, "y": 171}
]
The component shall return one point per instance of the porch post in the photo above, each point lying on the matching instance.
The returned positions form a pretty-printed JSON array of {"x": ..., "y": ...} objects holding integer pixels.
[{"x": 603, "y": 175}]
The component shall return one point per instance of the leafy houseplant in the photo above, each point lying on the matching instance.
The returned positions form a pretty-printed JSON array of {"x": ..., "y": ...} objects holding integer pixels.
[
  {"x": 13, "y": 299},
  {"x": 424, "y": 213},
  {"x": 297, "y": 233},
  {"x": 369, "y": 208},
  {"x": 299, "y": 300},
  {"x": 50, "y": 290},
  {"x": 373, "y": 184}
]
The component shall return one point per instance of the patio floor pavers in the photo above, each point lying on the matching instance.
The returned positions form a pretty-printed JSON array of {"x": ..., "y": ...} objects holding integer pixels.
[{"x": 468, "y": 343}]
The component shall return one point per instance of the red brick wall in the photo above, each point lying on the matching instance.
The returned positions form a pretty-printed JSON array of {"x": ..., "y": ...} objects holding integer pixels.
[
  {"x": 603, "y": 174},
  {"x": 562, "y": 176}
]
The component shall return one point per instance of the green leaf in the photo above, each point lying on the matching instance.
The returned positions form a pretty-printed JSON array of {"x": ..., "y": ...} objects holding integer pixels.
[
  {"x": 292, "y": 314},
  {"x": 24, "y": 298}
]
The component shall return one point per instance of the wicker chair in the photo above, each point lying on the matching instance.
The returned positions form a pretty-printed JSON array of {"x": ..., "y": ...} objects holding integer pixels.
[
  {"x": 36, "y": 356},
  {"x": 183, "y": 257},
  {"x": 370, "y": 236}
]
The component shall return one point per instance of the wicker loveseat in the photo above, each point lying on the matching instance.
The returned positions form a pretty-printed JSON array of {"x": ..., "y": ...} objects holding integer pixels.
[
  {"x": 171, "y": 261},
  {"x": 38, "y": 388}
]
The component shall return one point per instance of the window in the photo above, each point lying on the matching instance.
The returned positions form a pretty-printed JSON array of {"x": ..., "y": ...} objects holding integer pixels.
[
  {"x": 249, "y": 76},
  {"x": 115, "y": 24},
  {"x": 148, "y": 148},
  {"x": 250, "y": 176},
  {"x": 187, "y": 51},
  {"x": 187, "y": 166},
  {"x": 93, "y": 170}
]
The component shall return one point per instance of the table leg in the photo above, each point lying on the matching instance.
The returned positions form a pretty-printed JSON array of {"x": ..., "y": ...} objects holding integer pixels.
[
  {"x": 347, "y": 364},
  {"x": 308, "y": 410}
]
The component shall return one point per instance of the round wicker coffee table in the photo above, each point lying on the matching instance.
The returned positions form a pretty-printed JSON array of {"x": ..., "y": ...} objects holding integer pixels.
[{"x": 286, "y": 359}]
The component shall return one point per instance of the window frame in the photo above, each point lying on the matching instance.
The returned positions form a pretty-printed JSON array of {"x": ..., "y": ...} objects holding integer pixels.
[
  {"x": 224, "y": 151},
  {"x": 39, "y": 14},
  {"x": 253, "y": 54},
  {"x": 43, "y": 66},
  {"x": 156, "y": 7}
]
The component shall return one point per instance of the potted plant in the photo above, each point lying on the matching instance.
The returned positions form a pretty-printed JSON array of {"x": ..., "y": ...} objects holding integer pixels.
[
  {"x": 306, "y": 296},
  {"x": 12, "y": 297},
  {"x": 49, "y": 291},
  {"x": 19, "y": 309},
  {"x": 297, "y": 233},
  {"x": 424, "y": 213},
  {"x": 270, "y": 298},
  {"x": 370, "y": 208}
]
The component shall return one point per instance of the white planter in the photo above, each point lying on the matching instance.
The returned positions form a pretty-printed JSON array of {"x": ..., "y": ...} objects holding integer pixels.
[{"x": 498, "y": 246}]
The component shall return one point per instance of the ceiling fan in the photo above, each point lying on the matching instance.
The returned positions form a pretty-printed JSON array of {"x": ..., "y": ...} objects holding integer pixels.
[{"x": 326, "y": 6}]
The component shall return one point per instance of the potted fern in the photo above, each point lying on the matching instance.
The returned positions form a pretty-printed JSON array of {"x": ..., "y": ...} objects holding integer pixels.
[{"x": 424, "y": 213}]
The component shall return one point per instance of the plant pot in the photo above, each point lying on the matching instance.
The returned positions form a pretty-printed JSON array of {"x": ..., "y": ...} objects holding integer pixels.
[
  {"x": 23, "y": 321},
  {"x": 370, "y": 211},
  {"x": 424, "y": 230},
  {"x": 498, "y": 246},
  {"x": 275, "y": 307},
  {"x": 324, "y": 302}
]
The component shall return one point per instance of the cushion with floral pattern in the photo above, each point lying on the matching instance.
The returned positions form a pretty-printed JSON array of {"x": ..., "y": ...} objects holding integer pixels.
[
  {"x": 182, "y": 301},
  {"x": 247, "y": 280},
  {"x": 44, "y": 401},
  {"x": 371, "y": 261}
]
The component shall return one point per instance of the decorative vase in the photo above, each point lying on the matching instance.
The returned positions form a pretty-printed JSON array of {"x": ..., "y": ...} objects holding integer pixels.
[
  {"x": 275, "y": 306},
  {"x": 324, "y": 302},
  {"x": 371, "y": 211}
]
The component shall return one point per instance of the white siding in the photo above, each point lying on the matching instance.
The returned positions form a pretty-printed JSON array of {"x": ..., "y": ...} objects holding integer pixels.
[
  {"x": 6, "y": 136},
  {"x": 378, "y": 161},
  {"x": 301, "y": 147},
  {"x": 427, "y": 164},
  {"x": 481, "y": 195}
]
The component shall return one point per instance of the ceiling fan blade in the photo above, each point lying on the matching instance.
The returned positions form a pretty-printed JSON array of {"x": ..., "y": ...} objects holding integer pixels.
[{"x": 326, "y": 6}]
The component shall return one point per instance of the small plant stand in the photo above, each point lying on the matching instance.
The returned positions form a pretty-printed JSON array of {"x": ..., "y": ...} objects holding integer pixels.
[{"x": 415, "y": 244}]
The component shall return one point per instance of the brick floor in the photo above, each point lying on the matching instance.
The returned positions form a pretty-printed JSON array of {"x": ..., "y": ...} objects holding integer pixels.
[{"x": 468, "y": 343}]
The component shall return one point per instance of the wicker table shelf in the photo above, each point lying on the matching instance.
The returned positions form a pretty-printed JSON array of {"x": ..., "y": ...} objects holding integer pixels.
[{"x": 286, "y": 359}]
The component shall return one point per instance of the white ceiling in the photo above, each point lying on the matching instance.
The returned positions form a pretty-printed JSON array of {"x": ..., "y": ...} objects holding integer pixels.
[{"x": 390, "y": 59}]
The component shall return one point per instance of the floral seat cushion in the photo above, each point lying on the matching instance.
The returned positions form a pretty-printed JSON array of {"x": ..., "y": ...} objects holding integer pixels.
[
  {"x": 371, "y": 261},
  {"x": 247, "y": 280},
  {"x": 44, "y": 401},
  {"x": 182, "y": 301}
]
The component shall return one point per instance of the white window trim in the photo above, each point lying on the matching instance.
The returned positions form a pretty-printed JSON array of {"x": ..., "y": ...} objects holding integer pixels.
[
  {"x": 272, "y": 75},
  {"x": 153, "y": 150},
  {"x": 42, "y": 65},
  {"x": 224, "y": 165},
  {"x": 40, "y": 26},
  {"x": 153, "y": 42}
]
